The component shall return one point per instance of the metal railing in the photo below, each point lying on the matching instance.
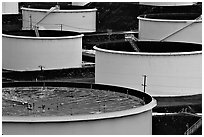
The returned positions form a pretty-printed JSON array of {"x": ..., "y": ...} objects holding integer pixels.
[{"x": 132, "y": 39}]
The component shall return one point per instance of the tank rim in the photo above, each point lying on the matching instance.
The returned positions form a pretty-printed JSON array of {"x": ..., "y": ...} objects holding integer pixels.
[
  {"x": 75, "y": 35},
  {"x": 170, "y": 3},
  {"x": 143, "y": 17},
  {"x": 116, "y": 114},
  {"x": 59, "y": 11},
  {"x": 149, "y": 53}
]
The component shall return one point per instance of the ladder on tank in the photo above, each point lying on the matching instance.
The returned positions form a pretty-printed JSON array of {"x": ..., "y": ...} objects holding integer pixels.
[
  {"x": 35, "y": 27},
  {"x": 132, "y": 39},
  {"x": 189, "y": 24}
]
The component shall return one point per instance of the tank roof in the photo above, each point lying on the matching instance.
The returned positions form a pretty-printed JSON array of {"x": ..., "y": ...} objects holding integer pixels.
[
  {"x": 42, "y": 33},
  {"x": 151, "y": 46},
  {"x": 63, "y": 98}
]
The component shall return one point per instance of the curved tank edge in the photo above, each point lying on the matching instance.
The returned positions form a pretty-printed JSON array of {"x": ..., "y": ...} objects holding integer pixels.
[
  {"x": 100, "y": 116},
  {"x": 167, "y": 3},
  {"x": 168, "y": 20},
  {"x": 60, "y": 11},
  {"x": 172, "y": 96},
  {"x": 146, "y": 53},
  {"x": 31, "y": 70},
  {"x": 43, "y": 38}
]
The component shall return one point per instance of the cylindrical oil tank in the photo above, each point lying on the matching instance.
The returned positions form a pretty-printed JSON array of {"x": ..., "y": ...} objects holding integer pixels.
[
  {"x": 23, "y": 51},
  {"x": 160, "y": 68},
  {"x": 167, "y": 3},
  {"x": 132, "y": 121},
  {"x": 70, "y": 18},
  {"x": 181, "y": 27},
  {"x": 10, "y": 7}
]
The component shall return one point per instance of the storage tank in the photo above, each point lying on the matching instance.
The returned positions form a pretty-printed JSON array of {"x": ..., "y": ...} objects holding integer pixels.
[
  {"x": 181, "y": 27},
  {"x": 71, "y": 18},
  {"x": 9, "y": 7},
  {"x": 23, "y": 51},
  {"x": 160, "y": 68},
  {"x": 56, "y": 108},
  {"x": 167, "y": 3}
]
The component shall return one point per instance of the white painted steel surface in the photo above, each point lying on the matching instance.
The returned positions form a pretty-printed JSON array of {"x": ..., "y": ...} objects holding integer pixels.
[
  {"x": 127, "y": 125},
  {"x": 168, "y": 74},
  {"x": 79, "y": 3},
  {"x": 23, "y": 53},
  {"x": 167, "y": 3},
  {"x": 9, "y": 7},
  {"x": 157, "y": 29},
  {"x": 82, "y": 20}
]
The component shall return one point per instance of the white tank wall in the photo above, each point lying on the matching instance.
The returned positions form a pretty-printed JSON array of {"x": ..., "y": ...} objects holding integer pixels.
[
  {"x": 171, "y": 75},
  {"x": 9, "y": 7},
  {"x": 26, "y": 54},
  {"x": 79, "y": 3},
  {"x": 71, "y": 20},
  {"x": 167, "y": 3},
  {"x": 157, "y": 29},
  {"x": 136, "y": 121}
]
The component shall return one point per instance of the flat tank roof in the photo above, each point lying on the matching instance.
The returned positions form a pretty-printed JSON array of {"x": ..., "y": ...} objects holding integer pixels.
[
  {"x": 150, "y": 47},
  {"x": 77, "y": 93},
  {"x": 114, "y": 122}
]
